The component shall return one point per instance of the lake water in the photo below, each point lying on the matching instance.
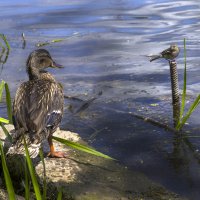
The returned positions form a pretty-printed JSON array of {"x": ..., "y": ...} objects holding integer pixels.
[{"x": 105, "y": 51}]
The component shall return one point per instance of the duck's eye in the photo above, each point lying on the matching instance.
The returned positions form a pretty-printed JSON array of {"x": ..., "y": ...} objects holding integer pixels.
[{"x": 42, "y": 61}]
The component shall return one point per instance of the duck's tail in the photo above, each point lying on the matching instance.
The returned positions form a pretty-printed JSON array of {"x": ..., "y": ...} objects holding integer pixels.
[
  {"x": 18, "y": 146},
  {"x": 33, "y": 150}
]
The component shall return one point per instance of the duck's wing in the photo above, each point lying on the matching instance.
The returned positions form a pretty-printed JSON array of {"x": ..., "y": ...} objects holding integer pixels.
[
  {"x": 41, "y": 106},
  {"x": 19, "y": 110}
]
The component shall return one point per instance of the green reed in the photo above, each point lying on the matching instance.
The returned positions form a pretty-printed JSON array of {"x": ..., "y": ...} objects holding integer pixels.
[
  {"x": 57, "y": 40},
  {"x": 5, "y": 49},
  {"x": 32, "y": 173},
  {"x": 9, "y": 185},
  {"x": 44, "y": 176},
  {"x": 81, "y": 147},
  {"x": 5, "y": 41},
  {"x": 4, "y": 86},
  {"x": 183, "y": 119}
]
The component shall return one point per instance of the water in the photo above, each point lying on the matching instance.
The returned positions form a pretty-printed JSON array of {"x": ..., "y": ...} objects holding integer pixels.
[{"x": 107, "y": 53}]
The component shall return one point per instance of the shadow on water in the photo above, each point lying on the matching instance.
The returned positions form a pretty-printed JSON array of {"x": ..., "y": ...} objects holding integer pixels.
[{"x": 109, "y": 56}]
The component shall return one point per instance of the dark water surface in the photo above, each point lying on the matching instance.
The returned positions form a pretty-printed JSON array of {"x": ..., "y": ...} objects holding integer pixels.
[{"x": 107, "y": 54}]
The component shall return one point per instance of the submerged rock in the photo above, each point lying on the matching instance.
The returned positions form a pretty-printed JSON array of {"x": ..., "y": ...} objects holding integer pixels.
[{"x": 82, "y": 176}]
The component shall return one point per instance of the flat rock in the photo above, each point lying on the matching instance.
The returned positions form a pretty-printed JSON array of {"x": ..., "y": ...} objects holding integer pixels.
[
  {"x": 82, "y": 176},
  {"x": 4, "y": 195}
]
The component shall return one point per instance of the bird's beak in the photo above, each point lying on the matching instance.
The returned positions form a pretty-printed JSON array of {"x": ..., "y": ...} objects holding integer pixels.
[{"x": 56, "y": 65}]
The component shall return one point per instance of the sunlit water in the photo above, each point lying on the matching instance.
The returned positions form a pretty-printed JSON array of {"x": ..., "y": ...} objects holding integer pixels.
[{"x": 107, "y": 53}]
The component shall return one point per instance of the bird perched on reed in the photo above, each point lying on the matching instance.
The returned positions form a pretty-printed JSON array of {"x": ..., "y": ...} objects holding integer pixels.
[
  {"x": 169, "y": 54},
  {"x": 38, "y": 103}
]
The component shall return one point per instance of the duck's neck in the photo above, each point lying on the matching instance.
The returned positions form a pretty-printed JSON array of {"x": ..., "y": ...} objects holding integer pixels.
[{"x": 33, "y": 73}]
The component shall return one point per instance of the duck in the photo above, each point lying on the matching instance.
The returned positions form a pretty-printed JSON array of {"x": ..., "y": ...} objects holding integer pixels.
[{"x": 39, "y": 102}]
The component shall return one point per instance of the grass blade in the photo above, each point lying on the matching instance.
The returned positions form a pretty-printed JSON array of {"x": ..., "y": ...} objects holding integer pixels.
[
  {"x": 190, "y": 111},
  {"x": 42, "y": 44},
  {"x": 32, "y": 174},
  {"x": 185, "y": 81},
  {"x": 5, "y": 41},
  {"x": 27, "y": 184},
  {"x": 9, "y": 186},
  {"x": 2, "y": 84},
  {"x": 81, "y": 147},
  {"x": 3, "y": 120},
  {"x": 44, "y": 179},
  {"x": 59, "y": 195},
  {"x": 184, "y": 86},
  {"x": 9, "y": 103},
  {"x": 6, "y": 132},
  {"x": 57, "y": 40}
]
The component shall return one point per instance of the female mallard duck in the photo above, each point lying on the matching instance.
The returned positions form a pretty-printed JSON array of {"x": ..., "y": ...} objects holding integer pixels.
[{"x": 38, "y": 104}]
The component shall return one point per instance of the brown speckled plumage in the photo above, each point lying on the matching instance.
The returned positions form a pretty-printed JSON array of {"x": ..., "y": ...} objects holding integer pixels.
[{"x": 38, "y": 104}]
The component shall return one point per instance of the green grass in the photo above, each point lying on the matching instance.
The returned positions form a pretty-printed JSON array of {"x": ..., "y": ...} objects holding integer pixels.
[
  {"x": 5, "y": 46},
  {"x": 32, "y": 173},
  {"x": 9, "y": 185},
  {"x": 2, "y": 85},
  {"x": 27, "y": 182},
  {"x": 3, "y": 120},
  {"x": 44, "y": 178},
  {"x": 5, "y": 41},
  {"x": 81, "y": 147},
  {"x": 183, "y": 119},
  {"x": 184, "y": 83},
  {"x": 59, "y": 195},
  {"x": 188, "y": 114},
  {"x": 6, "y": 132},
  {"x": 8, "y": 103},
  {"x": 56, "y": 40}
]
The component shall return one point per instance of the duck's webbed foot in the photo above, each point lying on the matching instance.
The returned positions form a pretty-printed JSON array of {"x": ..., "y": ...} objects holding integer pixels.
[
  {"x": 56, "y": 154},
  {"x": 53, "y": 153}
]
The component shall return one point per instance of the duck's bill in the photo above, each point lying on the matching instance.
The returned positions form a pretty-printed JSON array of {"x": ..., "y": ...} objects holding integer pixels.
[{"x": 56, "y": 65}]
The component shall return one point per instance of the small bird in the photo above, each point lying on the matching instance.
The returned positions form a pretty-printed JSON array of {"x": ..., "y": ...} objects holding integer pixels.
[
  {"x": 38, "y": 103},
  {"x": 169, "y": 54}
]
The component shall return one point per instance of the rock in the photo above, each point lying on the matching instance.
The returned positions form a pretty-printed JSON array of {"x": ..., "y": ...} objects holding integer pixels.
[
  {"x": 82, "y": 176},
  {"x": 4, "y": 195}
]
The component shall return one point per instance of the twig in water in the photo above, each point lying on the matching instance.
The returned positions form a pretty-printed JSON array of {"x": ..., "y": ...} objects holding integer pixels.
[
  {"x": 87, "y": 103},
  {"x": 93, "y": 135},
  {"x": 72, "y": 98},
  {"x": 24, "y": 41},
  {"x": 147, "y": 119},
  {"x": 56, "y": 40}
]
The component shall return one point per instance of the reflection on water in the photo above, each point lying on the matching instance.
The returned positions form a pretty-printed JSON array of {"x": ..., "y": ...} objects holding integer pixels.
[{"x": 108, "y": 55}]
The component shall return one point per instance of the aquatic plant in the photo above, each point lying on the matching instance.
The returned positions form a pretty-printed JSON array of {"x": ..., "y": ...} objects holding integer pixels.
[
  {"x": 183, "y": 119},
  {"x": 9, "y": 185},
  {"x": 4, "y": 86},
  {"x": 40, "y": 44},
  {"x": 5, "y": 49}
]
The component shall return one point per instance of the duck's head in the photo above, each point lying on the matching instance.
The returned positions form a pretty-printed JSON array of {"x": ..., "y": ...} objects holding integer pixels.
[
  {"x": 37, "y": 61},
  {"x": 41, "y": 59}
]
